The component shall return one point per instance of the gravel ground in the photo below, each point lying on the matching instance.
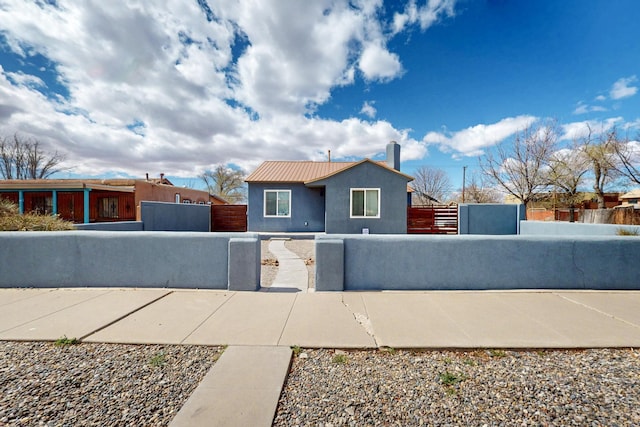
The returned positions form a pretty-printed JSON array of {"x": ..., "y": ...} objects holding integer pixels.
[
  {"x": 97, "y": 384},
  {"x": 480, "y": 388},
  {"x": 304, "y": 248}
]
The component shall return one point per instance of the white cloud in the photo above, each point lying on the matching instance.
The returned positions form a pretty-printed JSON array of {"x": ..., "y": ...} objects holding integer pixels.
[
  {"x": 377, "y": 63},
  {"x": 623, "y": 89},
  {"x": 425, "y": 15},
  {"x": 600, "y": 98},
  {"x": 576, "y": 130},
  {"x": 583, "y": 108},
  {"x": 162, "y": 88},
  {"x": 471, "y": 141},
  {"x": 368, "y": 109}
]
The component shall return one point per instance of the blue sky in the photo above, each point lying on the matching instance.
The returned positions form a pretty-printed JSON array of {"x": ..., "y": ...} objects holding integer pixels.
[{"x": 129, "y": 89}]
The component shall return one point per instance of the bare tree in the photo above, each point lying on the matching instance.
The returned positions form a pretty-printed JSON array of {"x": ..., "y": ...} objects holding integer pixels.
[
  {"x": 601, "y": 152},
  {"x": 628, "y": 156},
  {"x": 566, "y": 171},
  {"x": 519, "y": 168},
  {"x": 226, "y": 183},
  {"x": 477, "y": 191},
  {"x": 24, "y": 158},
  {"x": 430, "y": 185}
]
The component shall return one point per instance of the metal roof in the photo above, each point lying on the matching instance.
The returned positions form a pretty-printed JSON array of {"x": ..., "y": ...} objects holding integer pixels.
[
  {"x": 295, "y": 171},
  {"x": 304, "y": 171}
]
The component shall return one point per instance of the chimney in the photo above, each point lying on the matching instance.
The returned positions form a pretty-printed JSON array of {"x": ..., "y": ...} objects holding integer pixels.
[
  {"x": 147, "y": 176},
  {"x": 329, "y": 156},
  {"x": 393, "y": 155},
  {"x": 161, "y": 178}
]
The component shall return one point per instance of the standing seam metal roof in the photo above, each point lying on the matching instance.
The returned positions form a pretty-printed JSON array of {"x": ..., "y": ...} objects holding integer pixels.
[{"x": 303, "y": 171}]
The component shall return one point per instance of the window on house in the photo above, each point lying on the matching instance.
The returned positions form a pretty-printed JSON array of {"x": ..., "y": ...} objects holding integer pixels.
[
  {"x": 277, "y": 203},
  {"x": 42, "y": 205},
  {"x": 365, "y": 203},
  {"x": 108, "y": 207}
]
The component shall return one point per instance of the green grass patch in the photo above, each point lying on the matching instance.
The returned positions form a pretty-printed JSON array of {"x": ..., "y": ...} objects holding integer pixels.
[
  {"x": 340, "y": 359},
  {"x": 451, "y": 378},
  {"x": 158, "y": 360},
  {"x": 63, "y": 341}
]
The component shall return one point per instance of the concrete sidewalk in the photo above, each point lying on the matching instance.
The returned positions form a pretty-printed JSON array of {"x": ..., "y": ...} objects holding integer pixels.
[
  {"x": 244, "y": 386},
  {"x": 436, "y": 319}
]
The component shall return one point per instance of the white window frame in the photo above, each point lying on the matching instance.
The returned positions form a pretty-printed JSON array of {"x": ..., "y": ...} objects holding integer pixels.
[
  {"x": 264, "y": 210},
  {"x": 365, "y": 216}
]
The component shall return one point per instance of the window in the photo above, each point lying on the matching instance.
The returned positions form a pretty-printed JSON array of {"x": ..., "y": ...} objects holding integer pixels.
[
  {"x": 365, "y": 203},
  {"x": 277, "y": 203},
  {"x": 108, "y": 207},
  {"x": 42, "y": 205}
]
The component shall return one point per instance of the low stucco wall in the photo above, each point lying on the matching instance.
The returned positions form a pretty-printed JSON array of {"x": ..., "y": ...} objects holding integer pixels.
[
  {"x": 562, "y": 228},
  {"x": 110, "y": 226},
  {"x": 130, "y": 259},
  {"x": 476, "y": 262}
]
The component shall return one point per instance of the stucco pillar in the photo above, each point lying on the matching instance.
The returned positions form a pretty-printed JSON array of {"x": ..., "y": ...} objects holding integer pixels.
[{"x": 86, "y": 205}]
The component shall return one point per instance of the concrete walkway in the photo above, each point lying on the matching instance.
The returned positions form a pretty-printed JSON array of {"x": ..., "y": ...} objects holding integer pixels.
[
  {"x": 292, "y": 272},
  {"x": 244, "y": 386},
  {"x": 436, "y": 319}
]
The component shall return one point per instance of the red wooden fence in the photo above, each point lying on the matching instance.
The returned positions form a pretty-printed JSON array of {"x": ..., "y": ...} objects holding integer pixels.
[{"x": 432, "y": 220}]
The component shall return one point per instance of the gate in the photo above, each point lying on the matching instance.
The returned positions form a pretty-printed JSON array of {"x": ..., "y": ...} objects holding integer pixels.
[
  {"x": 432, "y": 220},
  {"x": 228, "y": 217}
]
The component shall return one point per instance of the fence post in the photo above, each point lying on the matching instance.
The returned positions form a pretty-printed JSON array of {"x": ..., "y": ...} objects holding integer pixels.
[
  {"x": 329, "y": 265},
  {"x": 244, "y": 264}
]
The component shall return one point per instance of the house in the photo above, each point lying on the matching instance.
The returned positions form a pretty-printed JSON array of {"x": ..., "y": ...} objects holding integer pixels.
[
  {"x": 630, "y": 199},
  {"x": 97, "y": 200},
  {"x": 334, "y": 197}
]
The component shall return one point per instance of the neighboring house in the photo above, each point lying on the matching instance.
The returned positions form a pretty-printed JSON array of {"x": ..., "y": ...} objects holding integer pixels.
[
  {"x": 334, "y": 197},
  {"x": 632, "y": 198},
  {"x": 97, "y": 200}
]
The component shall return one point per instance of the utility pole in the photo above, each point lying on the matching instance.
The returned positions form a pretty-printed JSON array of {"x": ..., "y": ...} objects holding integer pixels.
[{"x": 464, "y": 176}]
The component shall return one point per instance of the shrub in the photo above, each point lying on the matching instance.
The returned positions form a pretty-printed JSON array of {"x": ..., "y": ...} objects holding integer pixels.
[
  {"x": 11, "y": 220},
  {"x": 627, "y": 232}
]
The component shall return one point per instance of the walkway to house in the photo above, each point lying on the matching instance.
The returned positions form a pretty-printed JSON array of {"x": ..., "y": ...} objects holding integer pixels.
[{"x": 292, "y": 272}]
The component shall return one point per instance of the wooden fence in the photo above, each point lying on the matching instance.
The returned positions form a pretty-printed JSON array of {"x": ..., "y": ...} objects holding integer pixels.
[
  {"x": 228, "y": 217},
  {"x": 432, "y": 220}
]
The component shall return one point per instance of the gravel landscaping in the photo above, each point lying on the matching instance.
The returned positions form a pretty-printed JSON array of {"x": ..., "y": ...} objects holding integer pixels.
[
  {"x": 98, "y": 384},
  {"x": 507, "y": 388}
]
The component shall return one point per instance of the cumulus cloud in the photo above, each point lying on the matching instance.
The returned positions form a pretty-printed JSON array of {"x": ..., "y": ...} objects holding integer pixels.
[
  {"x": 577, "y": 130},
  {"x": 368, "y": 109},
  {"x": 377, "y": 63},
  {"x": 473, "y": 140},
  {"x": 623, "y": 88},
  {"x": 425, "y": 15},
  {"x": 184, "y": 85}
]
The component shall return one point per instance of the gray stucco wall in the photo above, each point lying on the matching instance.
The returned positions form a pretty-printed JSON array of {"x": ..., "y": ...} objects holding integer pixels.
[
  {"x": 162, "y": 216},
  {"x": 562, "y": 228},
  {"x": 493, "y": 219},
  {"x": 393, "y": 200},
  {"x": 307, "y": 209},
  {"x": 471, "y": 262},
  {"x": 125, "y": 259},
  {"x": 110, "y": 226}
]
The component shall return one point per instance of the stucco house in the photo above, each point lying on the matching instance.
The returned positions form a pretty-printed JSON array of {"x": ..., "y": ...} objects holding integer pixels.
[
  {"x": 97, "y": 200},
  {"x": 334, "y": 197}
]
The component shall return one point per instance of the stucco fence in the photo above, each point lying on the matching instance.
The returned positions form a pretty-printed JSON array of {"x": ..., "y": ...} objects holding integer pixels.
[
  {"x": 471, "y": 262},
  {"x": 130, "y": 259}
]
